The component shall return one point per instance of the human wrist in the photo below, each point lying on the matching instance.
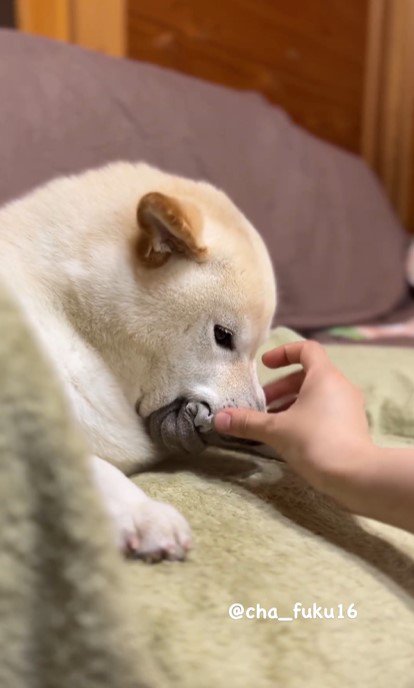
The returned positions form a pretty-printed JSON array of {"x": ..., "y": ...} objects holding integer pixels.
[
  {"x": 389, "y": 487},
  {"x": 347, "y": 477}
]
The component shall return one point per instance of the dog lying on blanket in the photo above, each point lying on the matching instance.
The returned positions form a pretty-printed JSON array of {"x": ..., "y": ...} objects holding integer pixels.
[{"x": 150, "y": 294}]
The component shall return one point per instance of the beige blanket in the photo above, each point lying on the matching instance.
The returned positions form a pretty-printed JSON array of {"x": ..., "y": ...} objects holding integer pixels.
[
  {"x": 65, "y": 618},
  {"x": 72, "y": 613},
  {"x": 266, "y": 540}
]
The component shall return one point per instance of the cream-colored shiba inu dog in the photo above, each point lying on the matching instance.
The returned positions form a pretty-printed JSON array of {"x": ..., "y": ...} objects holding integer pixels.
[{"x": 147, "y": 292}]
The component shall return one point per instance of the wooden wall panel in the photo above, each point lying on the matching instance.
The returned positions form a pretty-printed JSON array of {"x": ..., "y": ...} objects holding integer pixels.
[
  {"x": 95, "y": 24},
  {"x": 307, "y": 55},
  {"x": 388, "y": 126},
  {"x": 99, "y": 25},
  {"x": 44, "y": 17}
]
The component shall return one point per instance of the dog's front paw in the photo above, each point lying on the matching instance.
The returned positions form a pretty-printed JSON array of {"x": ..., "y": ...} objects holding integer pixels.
[
  {"x": 143, "y": 527},
  {"x": 153, "y": 531}
]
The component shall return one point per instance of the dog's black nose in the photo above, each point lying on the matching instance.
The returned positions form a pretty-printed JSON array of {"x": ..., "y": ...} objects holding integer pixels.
[
  {"x": 201, "y": 412},
  {"x": 178, "y": 425}
]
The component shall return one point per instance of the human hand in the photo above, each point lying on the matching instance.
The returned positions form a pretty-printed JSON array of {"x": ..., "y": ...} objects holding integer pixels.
[{"x": 323, "y": 432}]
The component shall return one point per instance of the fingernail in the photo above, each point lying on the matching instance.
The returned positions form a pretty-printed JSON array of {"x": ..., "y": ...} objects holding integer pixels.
[{"x": 222, "y": 421}]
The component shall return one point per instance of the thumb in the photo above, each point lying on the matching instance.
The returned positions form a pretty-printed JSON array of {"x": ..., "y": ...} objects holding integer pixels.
[{"x": 245, "y": 423}]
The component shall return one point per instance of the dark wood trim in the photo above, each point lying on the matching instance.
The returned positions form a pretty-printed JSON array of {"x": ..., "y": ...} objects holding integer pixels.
[{"x": 7, "y": 14}]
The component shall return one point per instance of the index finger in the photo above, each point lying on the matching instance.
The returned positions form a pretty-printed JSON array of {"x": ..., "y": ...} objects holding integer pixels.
[{"x": 306, "y": 353}]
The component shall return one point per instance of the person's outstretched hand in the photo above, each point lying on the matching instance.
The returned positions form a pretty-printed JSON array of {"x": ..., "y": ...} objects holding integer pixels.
[
  {"x": 322, "y": 433},
  {"x": 322, "y": 426}
]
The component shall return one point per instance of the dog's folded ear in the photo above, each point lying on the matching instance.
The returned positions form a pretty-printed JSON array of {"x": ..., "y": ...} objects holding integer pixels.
[{"x": 168, "y": 225}]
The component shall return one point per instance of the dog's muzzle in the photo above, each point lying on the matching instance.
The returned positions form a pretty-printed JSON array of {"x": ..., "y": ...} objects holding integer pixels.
[{"x": 188, "y": 425}]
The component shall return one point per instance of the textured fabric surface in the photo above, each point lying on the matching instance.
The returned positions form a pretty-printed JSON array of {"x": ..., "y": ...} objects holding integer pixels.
[
  {"x": 403, "y": 313},
  {"x": 72, "y": 613},
  {"x": 337, "y": 248},
  {"x": 64, "y": 616},
  {"x": 266, "y": 538}
]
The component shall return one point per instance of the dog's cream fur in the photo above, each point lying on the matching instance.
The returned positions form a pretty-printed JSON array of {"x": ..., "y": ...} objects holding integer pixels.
[{"x": 126, "y": 314}]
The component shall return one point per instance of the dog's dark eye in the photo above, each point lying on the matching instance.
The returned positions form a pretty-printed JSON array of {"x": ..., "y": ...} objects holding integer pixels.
[{"x": 223, "y": 337}]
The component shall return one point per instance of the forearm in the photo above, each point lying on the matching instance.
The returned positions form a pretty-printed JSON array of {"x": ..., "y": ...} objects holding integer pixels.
[{"x": 381, "y": 486}]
